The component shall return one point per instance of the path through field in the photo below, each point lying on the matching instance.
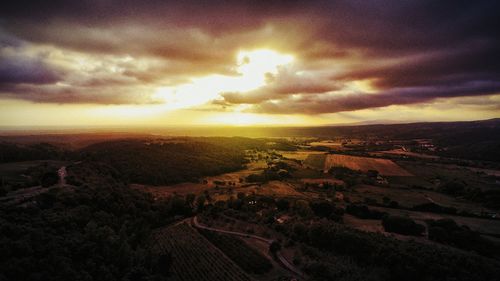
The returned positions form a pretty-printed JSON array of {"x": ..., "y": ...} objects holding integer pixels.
[
  {"x": 62, "y": 175},
  {"x": 22, "y": 195}
]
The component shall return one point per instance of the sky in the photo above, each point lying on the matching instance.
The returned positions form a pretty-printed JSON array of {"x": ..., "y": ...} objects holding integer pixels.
[{"x": 296, "y": 63}]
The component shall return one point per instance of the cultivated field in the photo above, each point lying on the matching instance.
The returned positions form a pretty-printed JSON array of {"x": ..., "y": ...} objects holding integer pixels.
[
  {"x": 168, "y": 190},
  {"x": 323, "y": 180},
  {"x": 413, "y": 197},
  {"x": 384, "y": 166},
  {"x": 328, "y": 144},
  {"x": 428, "y": 172},
  {"x": 236, "y": 177},
  {"x": 315, "y": 161},
  {"x": 275, "y": 188},
  {"x": 299, "y": 155},
  {"x": 194, "y": 258},
  {"x": 404, "y": 153},
  {"x": 484, "y": 226}
]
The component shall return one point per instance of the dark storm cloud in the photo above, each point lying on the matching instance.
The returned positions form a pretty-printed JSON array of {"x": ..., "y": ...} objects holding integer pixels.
[
  {"x": 412, "y": 51},
  {"x": 375, "y": 26},
  {"x": 476, "y": 61},
  {"x": 17, "y": 70},
  {"x": 356, "y": 101}
]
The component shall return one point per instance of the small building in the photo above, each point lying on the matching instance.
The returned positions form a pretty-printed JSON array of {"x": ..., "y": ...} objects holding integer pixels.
[
  {"x": 339, "y": 196},
  {"x": 282, "y": 219}
]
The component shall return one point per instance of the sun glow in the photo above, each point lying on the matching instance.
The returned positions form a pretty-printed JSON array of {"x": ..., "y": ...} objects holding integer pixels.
[{"x": 252, "y": 67}]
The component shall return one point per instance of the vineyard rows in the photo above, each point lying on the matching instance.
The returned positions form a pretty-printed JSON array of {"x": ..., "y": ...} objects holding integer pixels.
[
  {"x": 195, "y": 258},
  {"x": 251, "y": 260}
]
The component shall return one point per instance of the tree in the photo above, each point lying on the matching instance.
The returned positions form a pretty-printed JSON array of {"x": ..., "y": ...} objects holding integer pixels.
[
  {"x": 3, "y": 191},
  {"x": 49, "y": 179},
  {"x": 274, "y": 247},
  {"x": 322, "y": 208},
  {"x": 282, "y": 204},
  {"x": 302, "y": 208},
  {"x": 190, "y": 199},
  {"x": 200, "y": 202}
]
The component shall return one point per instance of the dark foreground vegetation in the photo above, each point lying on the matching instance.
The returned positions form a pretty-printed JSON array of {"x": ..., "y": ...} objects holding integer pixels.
[
  {"x": 342, "y": 225},
  {"x": 95, "y": 232},
  {"x": 447, "y": 231},
  {"x": 342, "y": 253},
  {"x": 334, "y": 251},
  {"x": 13, "y": 152}
]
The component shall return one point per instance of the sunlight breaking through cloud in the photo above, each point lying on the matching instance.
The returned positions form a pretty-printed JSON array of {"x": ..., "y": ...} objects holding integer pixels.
[{"x": 252, "y": 68}]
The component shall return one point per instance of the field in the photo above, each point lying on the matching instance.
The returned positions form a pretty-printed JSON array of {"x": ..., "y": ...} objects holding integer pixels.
[
  {"x": 168, "y": 190},
  {"x": 429, "y": 172},
  {"x": 14, "y": 172},
  {"x": 275, "y": 188},
  {"x": 484, "y": 226},
  {"x": 404, "y": 153},
  {"x": 322, "y": 180},
  {"x": 412, "y": 197},
  {"x": 236, "y": 177},
  {"x": 315, "y": 161},
  {"x": 194, "y": 257},
  {"x": 251, "y": 260},
  {"x": 328, "y": 144},
  {"x": 385, "y": 167},
  {"x": 299, "y": 155}
]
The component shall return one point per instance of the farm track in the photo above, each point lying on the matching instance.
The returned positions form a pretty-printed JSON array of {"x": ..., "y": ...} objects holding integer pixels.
[
  {"x": 280, "y": 258},
  {"x": 22, "y": 195}
]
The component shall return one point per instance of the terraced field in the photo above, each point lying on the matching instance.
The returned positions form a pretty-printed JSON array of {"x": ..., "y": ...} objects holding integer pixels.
[{"x": 190, "y": 250}]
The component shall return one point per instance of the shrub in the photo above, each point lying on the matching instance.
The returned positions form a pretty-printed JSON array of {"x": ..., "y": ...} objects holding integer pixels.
[
  {"x": 49, "y": 179},
  {"x": 274, "y": 247},
  {"x": 322, "y": 208},
  {"x": 447, "y": 231},
  {"x": 402, "y": 225},
  {"x": 363, "y": 212}
]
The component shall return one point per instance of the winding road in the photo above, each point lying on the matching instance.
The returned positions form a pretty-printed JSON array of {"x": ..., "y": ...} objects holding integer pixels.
[
  {"x": 279, "y": 256},
  {"x": 21, "y": 195}
]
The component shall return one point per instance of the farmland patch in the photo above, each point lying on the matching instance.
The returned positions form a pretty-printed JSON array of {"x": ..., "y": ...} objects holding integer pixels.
[
  {"x": 194, "y": 258},
  {"x": 385, "y": 167}
]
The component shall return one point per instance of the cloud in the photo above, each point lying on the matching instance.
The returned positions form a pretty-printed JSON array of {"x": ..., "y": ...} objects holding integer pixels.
[
  {"x": 16, "y": 69},
  {"x": 334, "y": 103},
  {"x": 468, "y": 62},
  {"x": 407, "y": 52},
  {"x": 282, "y": 84}
]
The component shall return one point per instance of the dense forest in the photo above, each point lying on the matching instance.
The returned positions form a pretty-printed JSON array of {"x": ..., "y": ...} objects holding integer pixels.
[
  {"x": 12, "y": 152},
  {"x": 156, "y": 161},
  {"x": 94, "y": 232},
  {"x": 160, "y": 163}
]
